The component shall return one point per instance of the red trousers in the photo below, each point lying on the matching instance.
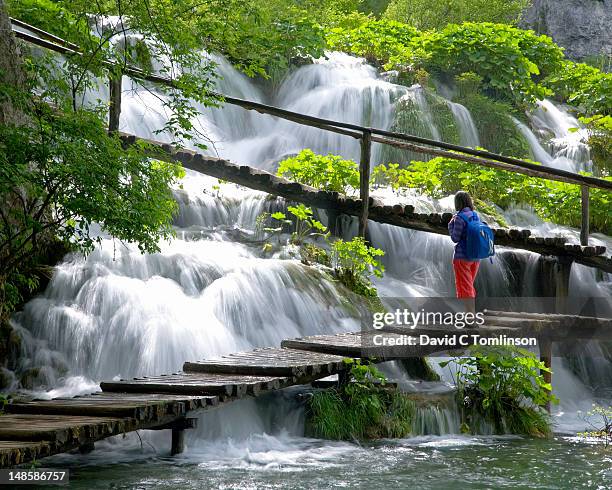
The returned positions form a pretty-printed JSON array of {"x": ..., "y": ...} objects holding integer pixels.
[{"x": 465, "y": 274}]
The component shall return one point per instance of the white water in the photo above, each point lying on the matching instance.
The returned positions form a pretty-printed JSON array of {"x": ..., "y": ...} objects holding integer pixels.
[
  {"x": 564, "y": 138},
  {"x": 467, "y": 129},
  {"x": 120, "y": 314}
]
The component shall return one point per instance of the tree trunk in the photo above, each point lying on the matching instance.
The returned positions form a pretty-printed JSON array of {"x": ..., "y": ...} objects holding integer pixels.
[{"x": 11, "y": 69}]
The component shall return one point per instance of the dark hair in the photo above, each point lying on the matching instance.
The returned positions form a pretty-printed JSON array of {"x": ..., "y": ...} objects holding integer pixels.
[{"x": 463, "y": 200}]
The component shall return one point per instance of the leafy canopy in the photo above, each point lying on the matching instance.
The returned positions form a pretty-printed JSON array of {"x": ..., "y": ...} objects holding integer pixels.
[
  {"x": 436, "y": 14},
  {"x": 64, "y": 173},
  {"x": 508, "y": 60}
]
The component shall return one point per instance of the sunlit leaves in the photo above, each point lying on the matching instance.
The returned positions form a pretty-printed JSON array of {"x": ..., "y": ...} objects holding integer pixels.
[{"x": 330, "y": 173}]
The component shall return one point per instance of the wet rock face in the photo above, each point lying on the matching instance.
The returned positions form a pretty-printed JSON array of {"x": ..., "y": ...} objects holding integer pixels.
[{"x": 582, "y": 27}]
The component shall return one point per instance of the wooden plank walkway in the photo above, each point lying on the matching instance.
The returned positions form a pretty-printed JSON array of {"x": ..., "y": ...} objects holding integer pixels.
[
  {"x": 397, "y": 215},
  {"x": 36, "y": 429}
]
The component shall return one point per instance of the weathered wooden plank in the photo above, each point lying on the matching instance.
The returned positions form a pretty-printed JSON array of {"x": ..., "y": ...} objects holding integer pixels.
[
  {"x": 59, "y": 429},
  {"x": 190, "y": 402},
  {"x": 346, "y": 344},
  {"x": 559, "y": 320},
  {"x": 13, "y": 453},
  {"x": 100, "y": 409},
  {"x": 149, "y": 411},
  {"x": 269, "y": 362},
  {"x": 197, "y": 384}
]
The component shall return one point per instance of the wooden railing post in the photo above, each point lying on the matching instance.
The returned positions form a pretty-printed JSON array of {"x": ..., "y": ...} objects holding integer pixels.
[
  {"x": 114, "y": 109},
  {"x": 364, "y": 180},
  {"x": 584, "y": 228}
]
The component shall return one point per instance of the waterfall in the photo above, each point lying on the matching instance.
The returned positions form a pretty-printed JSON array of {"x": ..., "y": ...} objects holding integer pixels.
[
  {"x": 569, "y": 136},
  {"x": 211, "y": 290},
  {"x": 564, "y": 138},
  {"x": 467, "y": 128}
]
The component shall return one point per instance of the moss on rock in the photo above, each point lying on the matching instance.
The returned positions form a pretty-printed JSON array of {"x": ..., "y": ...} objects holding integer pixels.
[
  {"x": 423, "y": 114},
  {"x": 498, "y": 133}
]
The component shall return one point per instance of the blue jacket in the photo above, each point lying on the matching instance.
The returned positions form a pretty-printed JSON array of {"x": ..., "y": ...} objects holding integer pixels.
[{"x": 457, "y": 230}]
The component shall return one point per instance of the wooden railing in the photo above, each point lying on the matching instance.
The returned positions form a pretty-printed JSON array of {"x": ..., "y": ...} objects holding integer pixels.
[{"x": 365, "y": 135}]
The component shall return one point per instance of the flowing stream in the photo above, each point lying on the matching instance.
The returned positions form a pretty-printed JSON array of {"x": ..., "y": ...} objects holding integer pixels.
[{"x": 211, "y": 291}]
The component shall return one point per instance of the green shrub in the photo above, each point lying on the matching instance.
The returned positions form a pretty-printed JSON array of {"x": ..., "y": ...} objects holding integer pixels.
[
  {"x": 330, "y": 173},
  {"x": 365, "y": 408},
  {"x": 504, "y": 387},
  {"x": 3, "y": 402},
  {"x": 600, "y": 424},
  {"x": 583, "y": 86},
  {"x": 378, "y": 41},
  {"x": 311, "y": 253},
  {"x": 303, "y": 225},
  {"x": 354, "y": 262}
]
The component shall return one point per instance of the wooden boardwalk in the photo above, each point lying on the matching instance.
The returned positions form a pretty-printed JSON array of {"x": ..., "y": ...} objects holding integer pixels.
[
  {"x": 36, "y": 429},
  {"x": 397, "y": 215}
]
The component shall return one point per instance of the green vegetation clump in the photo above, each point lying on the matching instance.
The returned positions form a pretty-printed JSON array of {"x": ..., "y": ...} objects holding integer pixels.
[
  {"x": 329, "y": 173},
  {"x": 600, "y": 142},
  {"x": 551, "y": 200},
  {"x": 599, "y": 420},
  {"x": 365, "y": 408},
  {"x": 510, "y": 61},
  {"x": 497, "y": 131},
  {"x": 436, "y": 14},
  {"x": 504, "y": 387},
  {"x": 354, "y": 262},
  {"x": 3, "y": 402},
  {"x": 583, "y": 86},
  {"x": 378, "y": 41},
  {"x": 303, "y": 226}
]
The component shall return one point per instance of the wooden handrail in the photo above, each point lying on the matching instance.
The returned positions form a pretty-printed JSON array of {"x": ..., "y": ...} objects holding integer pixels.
[{"x": 365, "y": 134}]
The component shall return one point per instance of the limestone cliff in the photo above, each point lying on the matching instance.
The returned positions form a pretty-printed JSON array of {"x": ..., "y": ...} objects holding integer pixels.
[{"x": 582, "y": 27}]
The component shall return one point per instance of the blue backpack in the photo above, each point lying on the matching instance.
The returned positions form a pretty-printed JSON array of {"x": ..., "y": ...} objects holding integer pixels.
[{"x": 479, "y": 238}]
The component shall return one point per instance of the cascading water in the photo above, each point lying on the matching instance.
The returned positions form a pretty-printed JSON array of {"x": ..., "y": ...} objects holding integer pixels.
[
  {"x": 210, "y": 291},
  {"x": 467, "y": 129},
  {"x": 562, "y": 135}
]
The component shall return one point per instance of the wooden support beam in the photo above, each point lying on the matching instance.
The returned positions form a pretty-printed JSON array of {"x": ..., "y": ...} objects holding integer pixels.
[
  {"x": 364, "y": 180},
  {"x": 344, "y": 377},
  {"x": 584, "y": 229},
  {"x": 114, "y": 110},
  {"x": 178, "y": 434},
  {"x": 178, "y": 441}
]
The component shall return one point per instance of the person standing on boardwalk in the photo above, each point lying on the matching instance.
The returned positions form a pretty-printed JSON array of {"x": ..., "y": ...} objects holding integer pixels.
[{"x": 465, "y": 268}]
